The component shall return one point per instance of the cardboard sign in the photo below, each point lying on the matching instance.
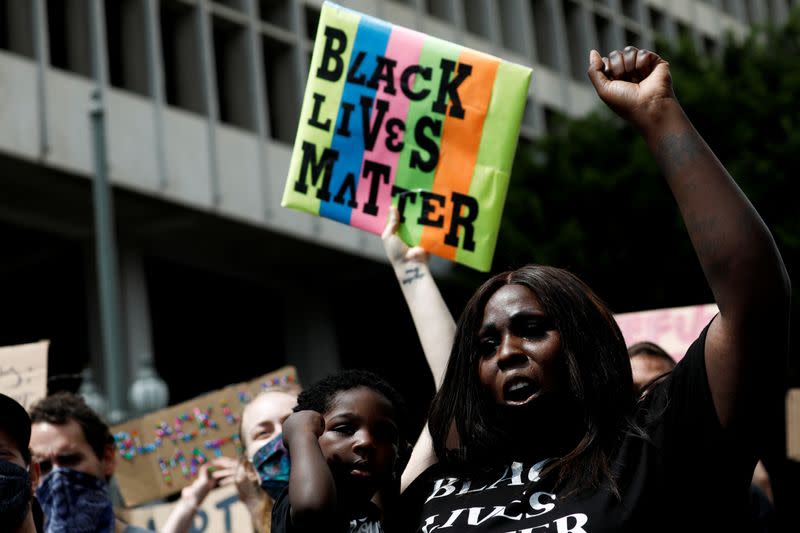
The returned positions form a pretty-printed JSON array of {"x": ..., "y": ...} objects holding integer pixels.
[
  {"x": 392, "y": 116},
  {"x": 674, "y": 329},
  {"x": 23, "y": 372},
  {"x": 221, "y": 512},
  {"x": 793, "y": 424},
  {"x": 160, "y": 453}
]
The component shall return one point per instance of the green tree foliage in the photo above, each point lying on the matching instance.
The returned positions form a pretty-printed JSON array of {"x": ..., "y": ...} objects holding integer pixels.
[{"x": 589, "y": 196}]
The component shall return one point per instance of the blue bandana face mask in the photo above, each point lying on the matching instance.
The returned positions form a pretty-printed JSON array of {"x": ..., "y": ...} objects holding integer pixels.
[
  {"x": 74, "y": 502},
  {"x": 271, "y": 462}
]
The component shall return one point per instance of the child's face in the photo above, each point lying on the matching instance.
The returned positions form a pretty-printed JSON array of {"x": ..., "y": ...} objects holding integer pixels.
[{"x": 360, "y": 441}]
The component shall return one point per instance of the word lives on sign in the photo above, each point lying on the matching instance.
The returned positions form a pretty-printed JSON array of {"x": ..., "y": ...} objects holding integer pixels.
[{"x": 392, "y": 116}]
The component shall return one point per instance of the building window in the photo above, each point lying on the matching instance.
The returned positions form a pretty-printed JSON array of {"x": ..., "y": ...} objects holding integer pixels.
[
  {"x": 605, "y": 36},
  {"x": 512, "y": 28},
  {"x": 476, "y": 14},
  {"x": 276, "y": 12},
  {"x": 440, "y": 9},
  {"x": 630, "y": 8},
  {"x": 544, "y": 22},
  {"x": 127, "y": 49},
  {"x": 633, "y": 38},
  {"x": 230, "y": 59},
  {"x": 312, "y": 21},
  {"x": 16, "y": 23},
  {"x": 183, "y": 77},
  {"x": 68, "y": 31},
  {"x": 282, "y": 90},
  {"x": 576, "y": 36}
]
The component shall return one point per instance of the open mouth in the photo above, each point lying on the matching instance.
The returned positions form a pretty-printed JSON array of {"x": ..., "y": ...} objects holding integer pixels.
[
  {"x": 361, "y": 469},
  {"x": 518, "y": 391}
]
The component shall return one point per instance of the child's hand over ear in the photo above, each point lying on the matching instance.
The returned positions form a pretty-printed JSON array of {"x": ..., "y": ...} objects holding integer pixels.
[{"x": 302, "y": 423}]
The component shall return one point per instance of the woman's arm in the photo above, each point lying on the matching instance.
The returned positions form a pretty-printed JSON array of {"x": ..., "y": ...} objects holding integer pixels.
[
  {"x": 747, "y": 342},
  {"x": 432, "y": 319}
]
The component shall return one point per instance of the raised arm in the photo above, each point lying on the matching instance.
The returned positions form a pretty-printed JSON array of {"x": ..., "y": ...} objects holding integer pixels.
[
  {"x": 432, "y": 319},
  {"x": 747, "y": 342},
  {"x": 312, "y": 490}
]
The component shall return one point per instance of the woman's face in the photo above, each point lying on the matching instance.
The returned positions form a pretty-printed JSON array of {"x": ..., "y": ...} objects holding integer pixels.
[
  {"x": 262, "y": 419},
  {"x": 519, "y": 349}
]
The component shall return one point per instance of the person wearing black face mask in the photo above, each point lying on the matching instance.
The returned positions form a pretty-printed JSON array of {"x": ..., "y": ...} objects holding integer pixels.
[{"x": 17, "y": 474}]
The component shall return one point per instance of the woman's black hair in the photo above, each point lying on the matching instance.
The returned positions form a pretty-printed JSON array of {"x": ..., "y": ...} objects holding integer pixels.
[{"x": 597, "y": 367}]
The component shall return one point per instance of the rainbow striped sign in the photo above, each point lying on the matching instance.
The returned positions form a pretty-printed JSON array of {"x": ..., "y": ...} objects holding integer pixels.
[{"x": 392, "y": 116}]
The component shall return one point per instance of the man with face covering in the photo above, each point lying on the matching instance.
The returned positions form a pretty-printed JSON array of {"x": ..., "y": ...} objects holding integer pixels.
[
  {"x": 17, "y": 474},
  {"x": 75, "y": 451}
]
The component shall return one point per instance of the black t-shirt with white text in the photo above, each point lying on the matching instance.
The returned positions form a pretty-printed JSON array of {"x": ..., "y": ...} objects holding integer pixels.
[
  {"x": 688, "y": 475},
  {"x": 282, "y": 521}
]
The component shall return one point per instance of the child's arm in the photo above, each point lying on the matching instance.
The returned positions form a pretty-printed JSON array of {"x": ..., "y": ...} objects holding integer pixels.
[
  {"x": 312, "y": 490},
  {"x": 432, "y": 319},
  {"x": 747, "y": 342}
]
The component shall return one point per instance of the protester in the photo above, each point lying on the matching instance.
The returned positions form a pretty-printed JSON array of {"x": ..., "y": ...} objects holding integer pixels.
[
  {"x": 18, "y": 475},
  {"x": 344, "y": 440},
  {"x": 76, "y": 453},
  {"x": 536, "y": 425},
  {"x": 649, "y": 361},
  {"x": 263, "y": 470}
]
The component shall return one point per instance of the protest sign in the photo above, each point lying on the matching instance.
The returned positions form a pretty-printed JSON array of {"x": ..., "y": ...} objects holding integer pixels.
[
  {"x": 793, "y": 424},
  {"x": 23, "y": 372},
  {"x": 392, "y": 116},
  {"x": 674, "y": 329},
  {"x": 160, "y": 453},
  {"x": 221, "y": 512}
]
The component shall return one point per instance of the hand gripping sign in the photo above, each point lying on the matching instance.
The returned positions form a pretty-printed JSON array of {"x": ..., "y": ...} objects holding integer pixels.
[{"x": 392, "y": 116}]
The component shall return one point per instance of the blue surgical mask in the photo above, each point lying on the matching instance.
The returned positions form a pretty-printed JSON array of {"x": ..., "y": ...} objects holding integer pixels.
[
  {"x": 271, "y": 462},
  {"x": 74, "y": 502},
  {"x": 15, "y": 495}
]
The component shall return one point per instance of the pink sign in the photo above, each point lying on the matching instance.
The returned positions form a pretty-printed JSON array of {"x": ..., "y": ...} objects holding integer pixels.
[{"x": 673, "y": 329}]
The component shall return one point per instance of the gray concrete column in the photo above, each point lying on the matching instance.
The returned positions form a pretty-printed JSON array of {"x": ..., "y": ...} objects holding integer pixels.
[
  {"x": 147, "y": 391},
  {"x": 93, "y": 384}
]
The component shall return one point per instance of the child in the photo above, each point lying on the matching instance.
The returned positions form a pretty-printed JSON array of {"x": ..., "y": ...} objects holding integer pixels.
[{"x": 344, "y": 440}]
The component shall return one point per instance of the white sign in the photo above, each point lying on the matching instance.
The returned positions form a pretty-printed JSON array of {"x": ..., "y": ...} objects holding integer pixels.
[
  {"x": 23, "y": 372},
  {"x": 221, "y": 512}
]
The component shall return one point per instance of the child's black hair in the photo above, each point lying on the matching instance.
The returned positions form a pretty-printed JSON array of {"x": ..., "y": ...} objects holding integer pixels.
[{"x": 320, "y": 396}]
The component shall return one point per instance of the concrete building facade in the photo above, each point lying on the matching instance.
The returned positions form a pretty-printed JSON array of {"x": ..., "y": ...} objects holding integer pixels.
[{"x": 201, "y": 100}]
